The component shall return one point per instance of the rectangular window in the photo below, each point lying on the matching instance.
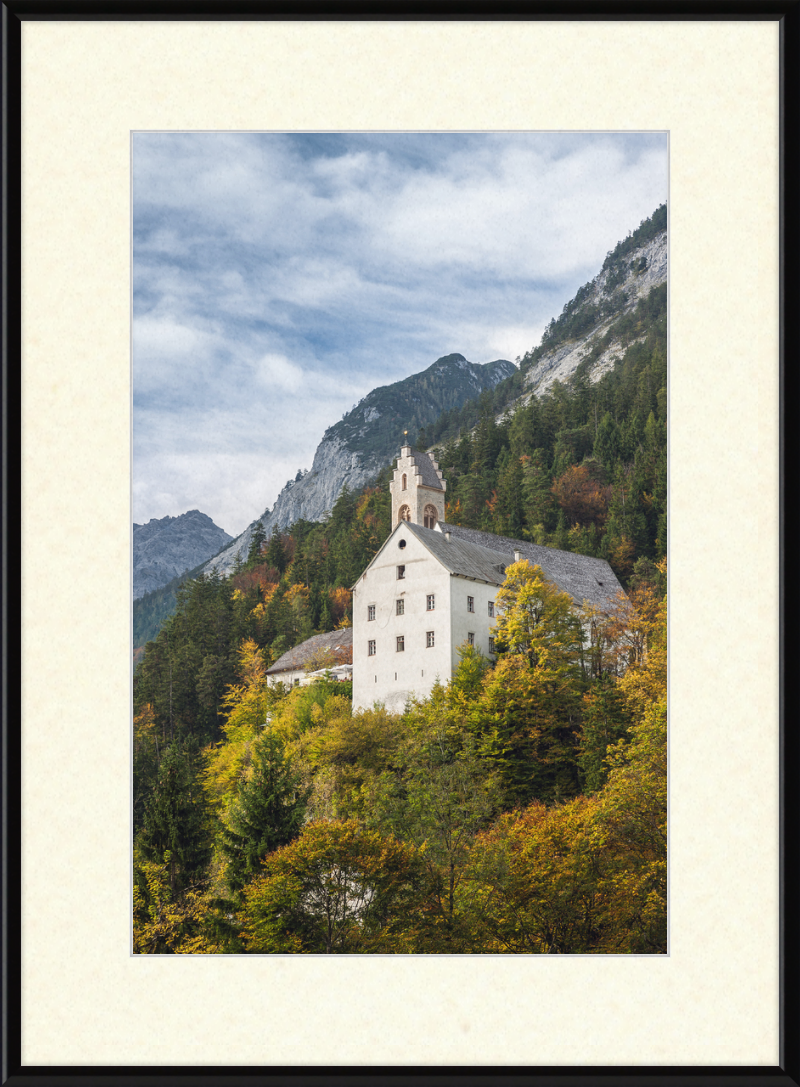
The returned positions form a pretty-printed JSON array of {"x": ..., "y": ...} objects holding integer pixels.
[
  {"x": 401, "y": 572},
  {"x": 370, "y": 649},
  {"x": 470, "y": 603},
  {"x": 297, "y": 682},
  {"x": 491, "y": 645},
  {"x": 370, "y": 613},
  {"x": 400, "y": 607},
  {"x": 401, "y": 644},
  {"x": 429, "y": 639},
  {"x": 470, "y": 639},
  {"x": 431, "y": 601},
  {"x": 491, "y": 609}
]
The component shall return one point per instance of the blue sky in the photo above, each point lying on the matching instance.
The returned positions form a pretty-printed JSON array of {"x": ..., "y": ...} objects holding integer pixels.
[{"x": 279, "y": 278}]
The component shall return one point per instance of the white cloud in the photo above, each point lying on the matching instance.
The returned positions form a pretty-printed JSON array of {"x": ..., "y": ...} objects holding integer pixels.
[
  {"x": 276, "y": 372},
  {"x": 277, "y": 279}
]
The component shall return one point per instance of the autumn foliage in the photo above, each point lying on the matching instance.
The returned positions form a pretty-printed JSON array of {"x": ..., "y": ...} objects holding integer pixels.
[{"x": 520, "y": 809}]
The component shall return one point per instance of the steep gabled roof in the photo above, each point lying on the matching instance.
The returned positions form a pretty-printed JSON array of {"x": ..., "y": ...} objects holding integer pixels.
[
  {"x": 483, "y": 556},
  {"x": 463, "y": 558},
  {"x": 338, "y": 642},
  {"x": 583, "y": 577},
  {"x": 427, "y": 473}
]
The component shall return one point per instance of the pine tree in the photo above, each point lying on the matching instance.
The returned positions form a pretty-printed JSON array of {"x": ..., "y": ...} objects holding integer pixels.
[
  {"x": 267, "y": 812},
  {"x": 257, "y": 542},
  {"x": 175, "y": 818}
]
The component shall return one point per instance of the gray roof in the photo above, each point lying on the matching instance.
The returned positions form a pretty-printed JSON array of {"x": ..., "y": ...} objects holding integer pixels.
[
  {"x": 464, "y": 558},
  {"x": 339, "y": 642},
  {"x": 479, "y": 555},
  {"x": 427, "y": 473}
]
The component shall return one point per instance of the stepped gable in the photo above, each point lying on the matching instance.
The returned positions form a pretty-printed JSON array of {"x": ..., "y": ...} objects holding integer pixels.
[
  {"x": 338, "y": 642},
  {"x": 427, "y": 471},
  {"x": 583, "y": 577}
]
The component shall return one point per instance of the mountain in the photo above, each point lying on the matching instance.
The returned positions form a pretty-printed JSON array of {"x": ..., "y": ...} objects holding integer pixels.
[
  {"x": 607, "y": 315},
  {"x": 367, "y": 438},
  {"x": 595, "y": 327},
  {"x": 166, "y": 547}
]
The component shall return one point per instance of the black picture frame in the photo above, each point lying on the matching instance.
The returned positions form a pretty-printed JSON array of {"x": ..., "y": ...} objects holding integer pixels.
[{"x": 14, "y": 13}]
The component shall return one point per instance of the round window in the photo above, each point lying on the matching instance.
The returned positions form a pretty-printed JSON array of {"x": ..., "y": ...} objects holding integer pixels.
[{"x": 401, "y": 543}]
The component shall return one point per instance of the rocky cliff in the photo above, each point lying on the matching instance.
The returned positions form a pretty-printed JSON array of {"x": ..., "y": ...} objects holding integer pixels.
[
  {"x": 356, "y": 448},
  {"x": 610, "y": 296},
  {"x": 168, "y": 546}
]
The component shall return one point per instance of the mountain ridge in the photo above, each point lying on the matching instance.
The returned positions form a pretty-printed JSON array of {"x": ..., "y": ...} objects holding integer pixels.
[
  {"x": 353, "y": 450},
  {"x": 166, "y": 547}
]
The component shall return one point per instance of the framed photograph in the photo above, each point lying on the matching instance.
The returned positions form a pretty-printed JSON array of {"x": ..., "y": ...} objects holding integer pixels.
[{"x": 718, "y": 84}]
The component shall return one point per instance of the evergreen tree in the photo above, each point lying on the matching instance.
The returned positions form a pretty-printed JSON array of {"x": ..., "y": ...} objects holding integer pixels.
[
  {"x": 175, "y": 825},
  {"x": 257, "y": 543},
  {"x": 267, "y": 812},
  {"x": 276, "y": 554}
]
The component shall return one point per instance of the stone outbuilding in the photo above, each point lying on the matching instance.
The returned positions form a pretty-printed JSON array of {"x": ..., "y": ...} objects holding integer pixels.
[{"x": 332, "y": 651}]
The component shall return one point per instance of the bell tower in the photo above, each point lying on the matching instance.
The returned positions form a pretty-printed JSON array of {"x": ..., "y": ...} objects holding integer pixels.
[{"x": 417, "y": 489}]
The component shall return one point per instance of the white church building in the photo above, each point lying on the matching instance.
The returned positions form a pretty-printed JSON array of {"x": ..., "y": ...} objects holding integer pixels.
[{"x": 432, "y": 586}]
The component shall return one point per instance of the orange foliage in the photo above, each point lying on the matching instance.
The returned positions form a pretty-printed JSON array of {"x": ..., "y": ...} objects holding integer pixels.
[
  {"x": 620, "y": 634},
  {"x": 581, "y": 497},
  {"x": 260, "y": 577},
  {"x": 340, "y": 603},
  {"x": 622, "y": 554}
]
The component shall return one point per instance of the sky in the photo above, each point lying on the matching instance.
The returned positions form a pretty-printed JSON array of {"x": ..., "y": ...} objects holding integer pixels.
[{"x": 279, "y": 278}]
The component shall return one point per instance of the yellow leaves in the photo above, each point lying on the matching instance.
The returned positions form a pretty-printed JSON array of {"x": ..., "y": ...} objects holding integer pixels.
[
  {"x": 144, "y": 726},
  {"x": 646, "y": 682},
  {"x": 164, "y": 925},
  {"x": 625, "y": 634},
  {"x": 536, "y": 618},
  {"x": 252, "y": 666},
  {"x": 297, "y": 596},
  {"x": 247, "y": 704},
  {"x": 340, "y": 604},
  {"x": 337, "y": 888}
]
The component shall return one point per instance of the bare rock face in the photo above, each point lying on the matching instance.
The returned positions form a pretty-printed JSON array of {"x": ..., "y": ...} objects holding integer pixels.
[
  {"x": 168, "y": 546},
  {"x": 356, "y": 448},
  {"x": 641, "y": 271}
]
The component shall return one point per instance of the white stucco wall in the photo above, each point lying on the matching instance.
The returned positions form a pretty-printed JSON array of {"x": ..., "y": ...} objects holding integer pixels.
[
  {"x": 464, "y": 622},
  {"x": 388, "y": 676},
  {"x": 288, "y": 677}
]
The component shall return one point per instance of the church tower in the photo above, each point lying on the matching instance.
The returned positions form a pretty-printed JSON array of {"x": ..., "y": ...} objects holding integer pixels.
[{"x": 417, "y": 489}]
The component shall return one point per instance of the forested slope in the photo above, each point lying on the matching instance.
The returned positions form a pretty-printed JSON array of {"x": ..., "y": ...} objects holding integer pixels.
[{"x": 521, "y": 809}]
